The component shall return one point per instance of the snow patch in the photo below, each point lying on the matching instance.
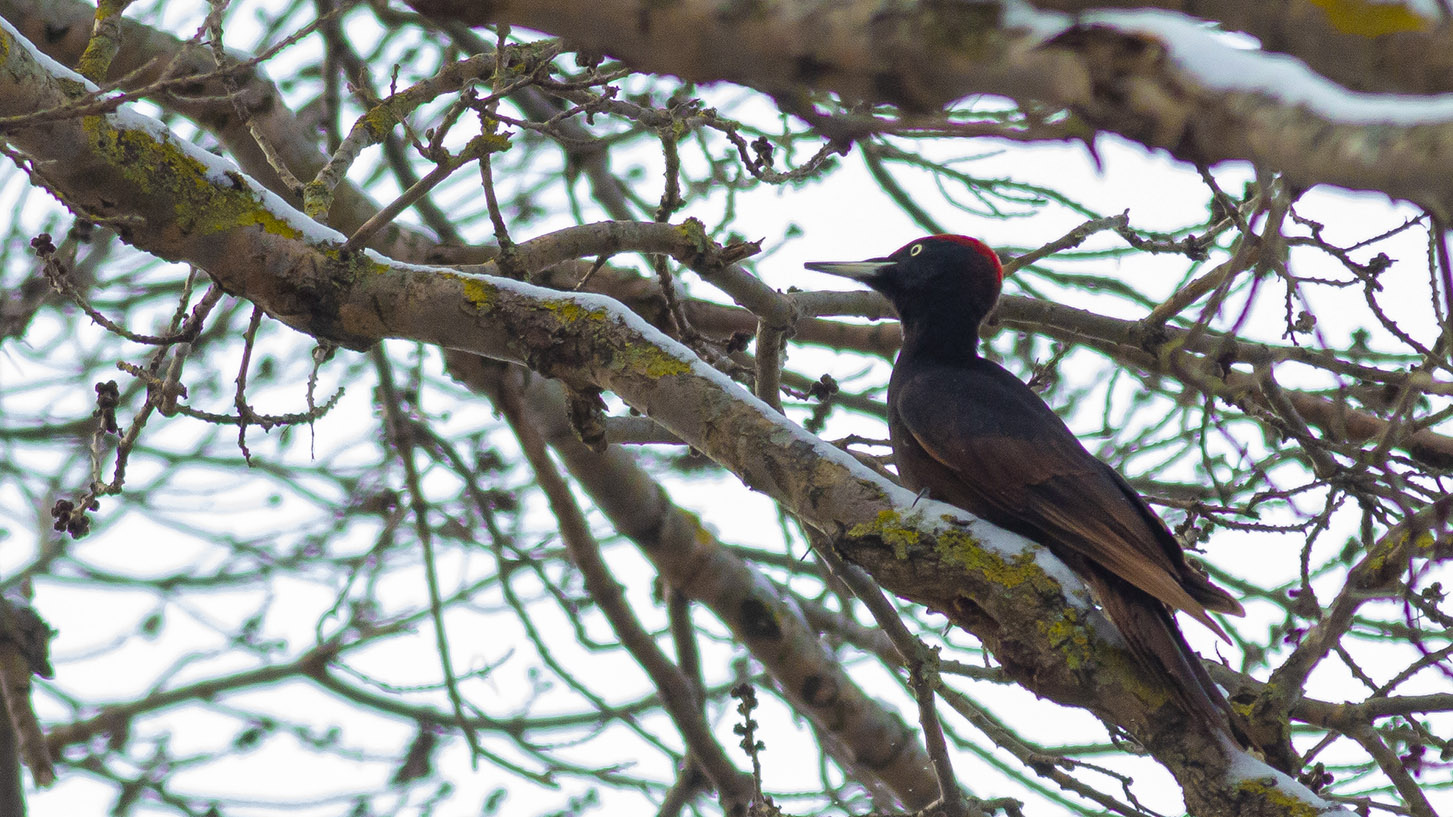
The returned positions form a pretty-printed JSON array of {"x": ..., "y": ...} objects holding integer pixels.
[
  {"x": 223, "y": 171},
  {"x": 50, "y": 65},
  {"x": 217, "y": 169},
  {"x": 1245, "y": 768},
  {"x": 1222, "y": 61}
]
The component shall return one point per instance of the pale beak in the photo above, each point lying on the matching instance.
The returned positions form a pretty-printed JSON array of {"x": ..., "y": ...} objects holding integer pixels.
[{"x": 856, "y": 270}]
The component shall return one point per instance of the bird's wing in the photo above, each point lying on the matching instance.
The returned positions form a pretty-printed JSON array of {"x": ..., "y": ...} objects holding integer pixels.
[{"x": 998, "y": 451}]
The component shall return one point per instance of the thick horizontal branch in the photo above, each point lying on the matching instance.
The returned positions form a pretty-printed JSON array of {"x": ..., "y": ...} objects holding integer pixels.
[
  {"x": 1129, "y": 73},
  {"x": 1374, "y": 47}
]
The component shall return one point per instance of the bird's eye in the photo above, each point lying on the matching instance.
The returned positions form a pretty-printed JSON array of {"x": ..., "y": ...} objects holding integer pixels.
[{"x": 917, "y": 248}]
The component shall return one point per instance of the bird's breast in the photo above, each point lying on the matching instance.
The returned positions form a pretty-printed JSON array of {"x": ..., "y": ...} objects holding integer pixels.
[{"x": 917, "y": 470}]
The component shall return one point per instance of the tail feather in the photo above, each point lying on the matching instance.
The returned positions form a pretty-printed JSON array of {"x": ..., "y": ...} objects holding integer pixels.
[
  {"x": 1156, "y": 641},
  {"x": 1209, "y": 595}
]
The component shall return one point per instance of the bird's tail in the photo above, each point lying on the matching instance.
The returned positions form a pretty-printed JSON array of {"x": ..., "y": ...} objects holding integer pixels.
[{"x": 1155, "y": 640}]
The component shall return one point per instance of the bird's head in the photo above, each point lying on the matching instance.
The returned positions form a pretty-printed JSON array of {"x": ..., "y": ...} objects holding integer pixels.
[{"x": 934, "y": 275}]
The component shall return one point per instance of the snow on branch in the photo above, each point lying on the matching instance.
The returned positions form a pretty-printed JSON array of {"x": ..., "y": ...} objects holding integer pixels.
[{"x": 1156, "y": 77}]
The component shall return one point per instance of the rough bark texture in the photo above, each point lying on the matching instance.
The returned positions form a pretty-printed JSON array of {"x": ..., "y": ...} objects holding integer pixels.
[
  {"x": 1364, "y": 46},
  {"x": 923, "y": 56}
]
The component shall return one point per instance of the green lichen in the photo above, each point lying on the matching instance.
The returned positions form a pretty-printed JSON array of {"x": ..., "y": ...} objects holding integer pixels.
[
  {"x": 694, "y": 231},
  {"x": 892, "y": 528},
  {"x": 655, "y": 363},
  {"x": 317, "y": 199},
  {"x": 569, "y": 311},
  {"x": 1369, "y": 18},
  {"x": 1168, "y": 351},
  {"x": 1067, "y": 633},
  {"x": 490, "y": 141},
  {"x": 353, "y": 266},
  {"x": 479, "y": 294},
  {"x": 961, "y": 548},
  {"x": 95, "y": 61},
  {"x": 699, "y": 533},
  {"x": 200, "y": 205},
  {"x": 382, "y": 118},
  {"x": 954, "y": 547},
  {"x": 1068, "y": 637},
  {"x": 1265, "y": 789}
]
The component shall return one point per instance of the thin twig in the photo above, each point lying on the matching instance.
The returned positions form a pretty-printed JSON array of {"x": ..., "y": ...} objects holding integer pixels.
[
  {"x": 923, "y": 676},
  {"x": 733, "y": 787}
]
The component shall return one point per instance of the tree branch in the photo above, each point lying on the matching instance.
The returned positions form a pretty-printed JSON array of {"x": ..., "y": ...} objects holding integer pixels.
[
  {"x": 1130, "y": 73},
  {"x": 178, "y": 202}
]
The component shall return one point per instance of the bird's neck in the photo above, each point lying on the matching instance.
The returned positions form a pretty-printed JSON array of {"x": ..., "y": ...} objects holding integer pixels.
[{"x": 951, "y": 342}]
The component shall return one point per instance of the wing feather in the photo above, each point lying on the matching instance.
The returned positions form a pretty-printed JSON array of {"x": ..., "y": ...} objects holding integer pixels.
[{"x": 991, "y": 446}]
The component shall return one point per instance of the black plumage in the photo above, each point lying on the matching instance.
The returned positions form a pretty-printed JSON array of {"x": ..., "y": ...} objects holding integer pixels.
[{"x": 969, "y": 433}]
